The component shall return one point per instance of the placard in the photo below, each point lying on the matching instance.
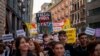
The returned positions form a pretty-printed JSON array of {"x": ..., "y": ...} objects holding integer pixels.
[
  {"x": 90, "y": 31},
  {"x": 7, "y": 37}
]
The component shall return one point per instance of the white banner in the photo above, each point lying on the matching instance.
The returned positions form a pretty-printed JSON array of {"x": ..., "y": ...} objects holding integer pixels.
[
  {"x": 57, "y": 24},
  {"x": 90, "y": 31},
  {"x": 56, "y": 29},
  {"x": 21, "y": 32},
  {"x": 33, "y": 31},
  {"x": 7, "y": 37}
]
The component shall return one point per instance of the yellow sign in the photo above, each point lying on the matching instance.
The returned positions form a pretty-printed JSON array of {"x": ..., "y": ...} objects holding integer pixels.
[
  {"x": 29, "y": 26},
  {"x": 66, "y": 24},
  {"x": 71, "y": 35},
  {"x": 32, "y": 28}
]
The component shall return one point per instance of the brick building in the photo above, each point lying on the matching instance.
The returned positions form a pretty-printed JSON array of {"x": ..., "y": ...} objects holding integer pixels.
[
  {"x": 60, "y": 9},
  {"x": 2, "y": 16},
  {"x": 78, "y": 14},
  {"x": 18, "y": 12},
  {"x": 44, "y": 7},
  {"x": 93, "y": 13}
]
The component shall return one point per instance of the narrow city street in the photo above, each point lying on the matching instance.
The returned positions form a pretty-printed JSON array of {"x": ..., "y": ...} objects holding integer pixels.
[{"x": 49, "y": 27}]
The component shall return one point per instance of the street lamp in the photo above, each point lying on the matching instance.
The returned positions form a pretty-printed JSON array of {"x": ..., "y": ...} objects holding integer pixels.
[
  {"x": 19, "y": 4},
  {"x": 22, "y": 0},
  {"x": 21, "y": 8}
]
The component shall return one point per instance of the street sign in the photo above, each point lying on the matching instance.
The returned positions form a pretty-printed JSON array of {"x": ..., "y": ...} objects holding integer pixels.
[
  {"x": 21, "y": 32},
  {"x": 7, "y": 37},
  {"x": 90, "y": 31}
]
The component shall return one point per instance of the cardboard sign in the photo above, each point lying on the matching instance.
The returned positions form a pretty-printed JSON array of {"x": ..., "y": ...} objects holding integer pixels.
[
  {"x": 66, "y": 24},
  {"x": 44, "y": 22},
  {"x": 33, "y": 31},
  {"x": 71, "y": 35},
  {"x": 90, "y": 31},
  {"x": 57, "y": 29},
  {"x": 57, "y": 26},
  {"x": 7, "y": 37},
  {"x": 21, "y": 32}
]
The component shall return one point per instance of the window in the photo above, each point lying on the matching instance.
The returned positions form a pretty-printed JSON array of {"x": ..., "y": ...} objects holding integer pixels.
[
  {"x": 75, "y": 7},
  {"x": 78, "y": 5},
  {"x": 95, "y": 11},
  {"x": 83, "y": 11},
  {"x": 87, "y": 13},
  {"x": 89, "y": 1}
]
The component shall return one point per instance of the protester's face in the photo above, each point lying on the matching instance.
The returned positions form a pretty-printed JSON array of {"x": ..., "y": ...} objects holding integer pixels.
[
  {"x": 59, "y": 50},
  {"x": 77, "y": 42},
  {"x": 97, "y": 50},
  {"x": 13, "y": 46},
  {"x": 46, "y": 40},
  {"x": 62, "y": 37},
  {"x": 24, "y": 46},
  {"x": 93, "y": 39},
  {"x": 31, "y": 45},
  {"x": 83, "y": 40},
  {"x": 1, "y": 49}
]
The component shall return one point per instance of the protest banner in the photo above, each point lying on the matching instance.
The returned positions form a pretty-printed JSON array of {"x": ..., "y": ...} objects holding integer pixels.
[
  {"x": 90, "y": 31},
  {"x": 66, "y": 24},
  {"x": 7, "y": 37},
  {"x": 44, "y": 22},
  {"x": 71, "y": 35},
  {"x": 21, "y": 32}
]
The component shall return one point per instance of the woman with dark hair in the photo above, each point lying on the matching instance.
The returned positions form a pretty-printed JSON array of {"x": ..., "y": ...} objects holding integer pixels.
[
  {"x": 22, "y": 47},
  {"x": 2, "y": 47},
  {"x": 35, "y": 48},
  {"x": 12, "y": 48},
  {"x": 94, "y": 48}
]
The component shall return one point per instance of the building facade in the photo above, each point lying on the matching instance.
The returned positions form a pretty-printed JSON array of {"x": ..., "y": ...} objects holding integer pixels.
[
  {"x": 93, "y": 13},
  {"x": 45, "y": 7},
  {"x": 78, "y": 14},
  {"x": 2, "y": 17},
  {"x": 17, "y": 14},
  {"x": 60, "y": 10},
  {"x": 31, "y": 4}
]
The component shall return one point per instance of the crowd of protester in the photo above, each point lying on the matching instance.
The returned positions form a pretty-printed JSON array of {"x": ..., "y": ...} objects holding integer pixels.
[{"x": 54, "y": 45}]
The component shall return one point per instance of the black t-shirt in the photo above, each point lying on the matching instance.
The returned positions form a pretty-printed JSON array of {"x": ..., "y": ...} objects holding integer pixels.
[
  {"x": 69, "y": 48},
  {"x": 81, "y": 51}
]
